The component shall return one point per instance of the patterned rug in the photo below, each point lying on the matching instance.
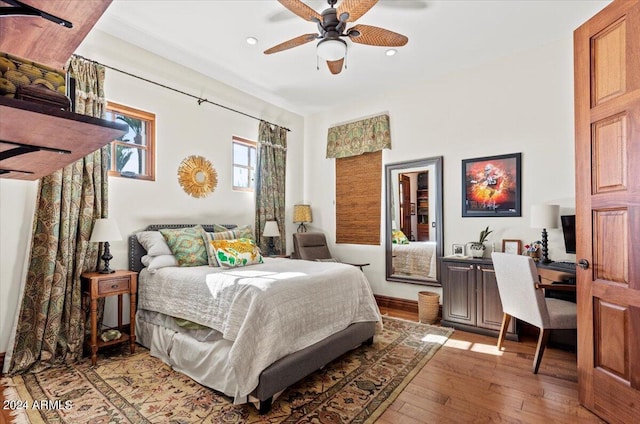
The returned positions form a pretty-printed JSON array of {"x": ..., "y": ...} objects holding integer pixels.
[{"x": 124, "y": 388}]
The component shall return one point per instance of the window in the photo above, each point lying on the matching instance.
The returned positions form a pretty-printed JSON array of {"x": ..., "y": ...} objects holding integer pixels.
[
  {"x": 244, "y": 164},
  {"x": 358, "y": 199},
  {"x": 133, "y": 154}
]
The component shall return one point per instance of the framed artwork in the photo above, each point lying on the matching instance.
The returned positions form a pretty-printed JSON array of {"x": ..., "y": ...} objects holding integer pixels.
[
  {"x": 413, "y": 208},
  {"x": 513, "y": 247},
  {"x": 491, "y": 186},
  {"x": 458, "y": 249}
]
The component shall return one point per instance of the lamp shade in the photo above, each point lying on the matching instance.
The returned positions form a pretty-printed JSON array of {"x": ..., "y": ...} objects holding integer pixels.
[
  {"x": 331, "y": 49},
  {"x": 545, "y": 216},
  {"x": 271, "y": 229},
  {"x": 105, "y": 229},
  {"x": 302, "y": 213}
]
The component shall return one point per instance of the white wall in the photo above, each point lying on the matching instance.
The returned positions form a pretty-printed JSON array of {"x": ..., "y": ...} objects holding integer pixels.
[
  {"x": 183, "y": 129},
  {"x": 521, "y": 103}
]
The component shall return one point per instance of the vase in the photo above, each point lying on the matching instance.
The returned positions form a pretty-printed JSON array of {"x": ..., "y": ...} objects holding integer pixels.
[{"x": 476, "y": 250}]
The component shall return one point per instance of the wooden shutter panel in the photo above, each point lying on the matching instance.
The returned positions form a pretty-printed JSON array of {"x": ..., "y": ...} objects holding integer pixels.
[{"x": 358, "y": 192}]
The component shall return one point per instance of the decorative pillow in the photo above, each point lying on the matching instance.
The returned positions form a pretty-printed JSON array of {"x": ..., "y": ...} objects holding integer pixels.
[
  {"x": 398, "y": 237},
  {"x": 226, "y": 234},
  {"x": 240, "y": 232},
  {"x": 153, "y": 243},
  {"x": 237, "y": 252},
  {"x": 187, "y": 245},
  {"x": 154, "y": 262}
]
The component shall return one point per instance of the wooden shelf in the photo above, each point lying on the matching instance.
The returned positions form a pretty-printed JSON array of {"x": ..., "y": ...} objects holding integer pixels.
[
  {"x": 45, "y": 126},
  {"x": 45, "y": 42}
]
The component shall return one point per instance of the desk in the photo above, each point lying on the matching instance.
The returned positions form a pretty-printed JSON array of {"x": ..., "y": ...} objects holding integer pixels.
[{"x": 550, "y": 274}]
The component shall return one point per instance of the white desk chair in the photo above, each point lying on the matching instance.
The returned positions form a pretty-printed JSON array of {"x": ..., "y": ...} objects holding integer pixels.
[{"x": 522, "y": 297}]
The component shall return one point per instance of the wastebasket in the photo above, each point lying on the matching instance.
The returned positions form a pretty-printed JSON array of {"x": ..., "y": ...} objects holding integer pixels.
[{"x": 428, "y": 307}]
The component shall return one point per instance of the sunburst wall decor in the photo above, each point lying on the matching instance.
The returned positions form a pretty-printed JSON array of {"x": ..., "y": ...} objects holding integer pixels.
[{"x": 197, "y": 177}]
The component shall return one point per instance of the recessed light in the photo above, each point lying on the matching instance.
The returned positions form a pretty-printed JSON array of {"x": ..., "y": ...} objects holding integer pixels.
[
  {"x": 391, "y": 52},
  {"x": 252, "y": 41}
]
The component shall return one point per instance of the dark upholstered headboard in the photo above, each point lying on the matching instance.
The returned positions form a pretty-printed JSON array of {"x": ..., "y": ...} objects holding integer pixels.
[{"x": 136, "y": 251}]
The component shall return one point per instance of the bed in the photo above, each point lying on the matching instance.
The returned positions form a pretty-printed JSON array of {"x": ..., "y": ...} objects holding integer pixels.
[
  {"x": 250, "y": 332},
  {"x": 416, "y": 259}
]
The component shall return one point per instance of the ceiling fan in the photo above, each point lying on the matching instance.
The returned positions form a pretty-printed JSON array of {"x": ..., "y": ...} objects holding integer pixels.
[{"x": 332, "y": 28}]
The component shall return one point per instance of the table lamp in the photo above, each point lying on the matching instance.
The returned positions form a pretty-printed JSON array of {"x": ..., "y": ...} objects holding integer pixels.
[
  {"x": 105, "y": 230},
  {"x": 302, "y": 214},
  {"x": 545, "y": 216},
  {"x": 271, "y": 231}
]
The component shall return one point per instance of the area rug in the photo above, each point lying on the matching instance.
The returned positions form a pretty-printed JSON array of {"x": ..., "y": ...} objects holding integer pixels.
[{"x": 138, "y": 388}]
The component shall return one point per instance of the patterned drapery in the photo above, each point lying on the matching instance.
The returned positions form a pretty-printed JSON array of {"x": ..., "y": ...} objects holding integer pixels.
[
  {"x": 51, "y": 325},
  {"x": 270, "y": 183},
  {"x": 353, "y": 139}
]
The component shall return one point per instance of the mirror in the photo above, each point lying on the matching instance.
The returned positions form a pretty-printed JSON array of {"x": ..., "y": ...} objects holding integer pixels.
[{"x": 414, "y": 229}]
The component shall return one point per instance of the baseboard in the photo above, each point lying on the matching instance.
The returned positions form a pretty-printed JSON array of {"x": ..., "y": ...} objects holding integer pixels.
[{"x": 404, "y": 305}]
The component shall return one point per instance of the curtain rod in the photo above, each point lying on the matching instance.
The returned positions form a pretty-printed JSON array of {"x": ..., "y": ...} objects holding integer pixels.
[{"x": 199, "y": 99}]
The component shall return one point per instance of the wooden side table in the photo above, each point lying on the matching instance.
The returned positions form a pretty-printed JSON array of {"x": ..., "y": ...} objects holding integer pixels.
[{"x": 96, "y": 285}]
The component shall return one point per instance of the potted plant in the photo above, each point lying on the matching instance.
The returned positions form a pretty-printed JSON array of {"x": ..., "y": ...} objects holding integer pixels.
[{"x": 477, "y": 248}]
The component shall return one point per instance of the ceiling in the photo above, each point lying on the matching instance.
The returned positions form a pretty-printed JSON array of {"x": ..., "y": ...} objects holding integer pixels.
[{"x": 444, "y": 36}]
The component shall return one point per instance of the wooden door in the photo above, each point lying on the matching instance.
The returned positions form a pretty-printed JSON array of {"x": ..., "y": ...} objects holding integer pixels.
[
  {"x": 607, "y": 107},
  {"x": 405, "y": 196}
]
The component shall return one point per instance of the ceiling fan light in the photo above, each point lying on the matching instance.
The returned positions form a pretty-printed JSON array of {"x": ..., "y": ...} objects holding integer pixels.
[
  {"x": 391, "y": 52},
  {"x": 252, "y": 41},
  {"x": 333, "y": 49}
]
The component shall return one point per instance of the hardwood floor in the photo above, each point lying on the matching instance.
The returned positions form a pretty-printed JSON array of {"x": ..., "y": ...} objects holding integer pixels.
[{"x": 468, "y": 380}]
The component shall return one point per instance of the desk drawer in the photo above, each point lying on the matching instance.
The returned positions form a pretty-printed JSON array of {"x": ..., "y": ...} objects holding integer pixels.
[{"x": 114, "y": 285}]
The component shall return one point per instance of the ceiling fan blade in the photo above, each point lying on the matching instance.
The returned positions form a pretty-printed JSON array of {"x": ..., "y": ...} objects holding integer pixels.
[
  {"x": 294, "y": 42},
  {"x": 355, "y": 8},
  {"x": 375, "y": 36},
  {"x": 335, "y": 66},
  {"x": 301, "y": 9}
]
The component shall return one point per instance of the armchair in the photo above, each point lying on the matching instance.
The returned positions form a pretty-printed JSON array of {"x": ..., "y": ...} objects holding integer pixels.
[{"x": 313, "y": 247}]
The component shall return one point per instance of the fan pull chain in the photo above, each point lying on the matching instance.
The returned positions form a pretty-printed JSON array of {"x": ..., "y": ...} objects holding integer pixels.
[
  {"x": 317, "y": 63},
  {"x": 346, "y": 53}
]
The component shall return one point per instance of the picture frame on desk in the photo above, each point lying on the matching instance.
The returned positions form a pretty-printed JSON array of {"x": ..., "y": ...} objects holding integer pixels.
[
  {"x": 458, "y": 250},
  {"x": 513, "y": 247},
  {"x": 491, "y": 186}
]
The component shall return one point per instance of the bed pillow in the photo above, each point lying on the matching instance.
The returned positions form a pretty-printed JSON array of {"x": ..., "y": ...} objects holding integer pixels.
[
  {"x": 154, "y": 243},
  {"x": 398, "y": 237},
  {"x": 240, "y": 232},
  {"x": 236, "y": 252},
  {"x": 187, "y": 245},
  {"x": 155, "y": 262},
  {"x": 222, "y": 233}
]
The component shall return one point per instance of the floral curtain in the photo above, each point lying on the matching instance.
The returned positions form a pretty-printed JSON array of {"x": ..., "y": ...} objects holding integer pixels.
[
  {"x": 50, "y": 328},
  {"x": 353, "y": 139},
  {"x": 270, "y": 183}
]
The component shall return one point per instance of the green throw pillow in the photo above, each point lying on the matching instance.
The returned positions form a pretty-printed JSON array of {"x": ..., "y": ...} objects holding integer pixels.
[{"x": 187, "y": 245}]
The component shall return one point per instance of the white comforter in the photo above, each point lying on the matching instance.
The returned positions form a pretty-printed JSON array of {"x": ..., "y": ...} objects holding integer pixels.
[{"x": 268, "y": 311}]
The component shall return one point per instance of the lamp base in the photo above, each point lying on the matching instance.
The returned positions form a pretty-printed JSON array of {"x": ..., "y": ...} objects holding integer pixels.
[
  {"x": 106, "y": 257},
  {"x": 545, "y": 248},
  {"x": 302, "y": 228}
]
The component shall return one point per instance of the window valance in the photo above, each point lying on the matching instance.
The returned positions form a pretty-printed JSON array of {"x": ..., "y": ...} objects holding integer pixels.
[{"x": 355, "y": 138}]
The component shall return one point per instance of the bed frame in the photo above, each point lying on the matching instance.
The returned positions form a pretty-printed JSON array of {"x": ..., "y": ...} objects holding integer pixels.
[{"x": 294, "y": 367}]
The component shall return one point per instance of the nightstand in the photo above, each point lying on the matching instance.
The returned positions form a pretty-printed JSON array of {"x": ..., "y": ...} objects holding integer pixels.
[{"x": 95, "y": 286}]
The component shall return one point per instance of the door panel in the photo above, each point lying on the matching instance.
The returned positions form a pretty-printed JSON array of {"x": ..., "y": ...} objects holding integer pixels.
[{"x": 607, "y": 107}]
